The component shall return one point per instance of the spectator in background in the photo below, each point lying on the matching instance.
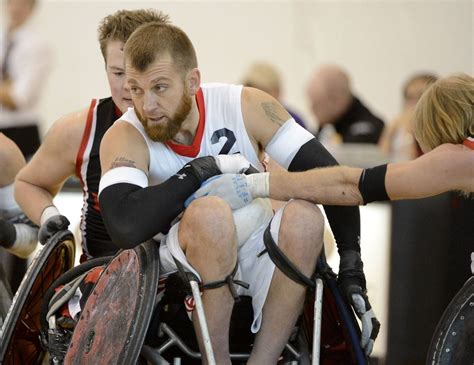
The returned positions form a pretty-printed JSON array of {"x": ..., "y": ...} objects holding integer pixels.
[
  {"x": 25, "y": 63},
  {"x": 333, "y": 103},
  {"x": 398, "y": 138},
  {"x": 264, "y": 76}
]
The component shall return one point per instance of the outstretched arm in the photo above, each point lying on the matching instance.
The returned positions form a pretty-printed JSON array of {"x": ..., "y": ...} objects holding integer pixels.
[
  {"x": 448, "y": 167},
  {"x": 332, "y": 185}
]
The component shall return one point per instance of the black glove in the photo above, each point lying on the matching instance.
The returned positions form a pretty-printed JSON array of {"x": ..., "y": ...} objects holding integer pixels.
[
  {"x": 352, "y": 284},
  {"x": 206, "y": 167},
  {"x": 52, "y": 225},
  {"x": 7, "y": 233},
  {"x": 202, "y": 168}
]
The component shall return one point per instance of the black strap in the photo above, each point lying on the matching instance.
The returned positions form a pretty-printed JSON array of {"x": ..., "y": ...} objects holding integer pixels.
[
  {"x": 282, "y": 262},
  {"x": 229, "y": 280}
]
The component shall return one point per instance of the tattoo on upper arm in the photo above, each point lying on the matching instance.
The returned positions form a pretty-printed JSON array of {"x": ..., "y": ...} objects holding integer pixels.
[
  {"x": 271, "y": 110},
  {"x": 122, "y": 161}
]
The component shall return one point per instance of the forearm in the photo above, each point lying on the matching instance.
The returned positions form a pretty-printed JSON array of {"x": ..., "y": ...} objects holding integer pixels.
[
  {"x": 134, "y": 212},
  {"x": 32, "y": 199},
  {"x": 5, "y": 96},
  {"x": 335, "y": 185},
  {"x": 403, "y": 181}
]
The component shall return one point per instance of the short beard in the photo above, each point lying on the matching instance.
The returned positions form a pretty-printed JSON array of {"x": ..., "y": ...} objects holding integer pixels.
[{"x": 168, "y": 131}]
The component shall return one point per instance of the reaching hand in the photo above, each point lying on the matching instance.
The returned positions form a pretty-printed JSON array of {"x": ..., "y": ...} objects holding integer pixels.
[
  {"x": 237, "y": 190},
  {"x": 52, "y": 225},
  {"x": 233, "y": 188}
]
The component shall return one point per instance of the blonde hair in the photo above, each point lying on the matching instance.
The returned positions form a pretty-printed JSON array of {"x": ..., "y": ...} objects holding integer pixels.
[
  {"x": 121, "y": 24},
  {"x": 445, "y": 112},
  {"x": 263, "y": 76}
]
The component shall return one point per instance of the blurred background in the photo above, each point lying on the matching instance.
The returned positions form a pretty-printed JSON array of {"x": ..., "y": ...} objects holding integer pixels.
[
  {"x": 415, "y": 253},
  {"x": 379, "y": 43}
]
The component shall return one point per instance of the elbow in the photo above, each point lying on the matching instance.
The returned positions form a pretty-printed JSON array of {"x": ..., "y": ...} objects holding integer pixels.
[
  {"x": 123, "y": 234},
  {"x": 124, "y": 237},
  {"x": 121, "y": 228}
]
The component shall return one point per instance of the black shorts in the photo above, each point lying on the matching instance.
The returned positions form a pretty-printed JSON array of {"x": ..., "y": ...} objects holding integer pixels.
[{"x": 26, "y": 137}]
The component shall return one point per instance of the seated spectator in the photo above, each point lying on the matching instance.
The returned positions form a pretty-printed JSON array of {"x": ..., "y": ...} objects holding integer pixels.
[
  {"x": 398, "y": 138},
  {"x": 334, "y": 104},
  {"x": 25, "y": 62},
  {"x": 264, "y": 76}
]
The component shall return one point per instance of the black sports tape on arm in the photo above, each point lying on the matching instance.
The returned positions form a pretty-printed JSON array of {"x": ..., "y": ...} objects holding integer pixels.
[
  {"x": 372, "y": 184},
  {"x": 133, "y": 214},
  {"x": 344, "y": 221}
]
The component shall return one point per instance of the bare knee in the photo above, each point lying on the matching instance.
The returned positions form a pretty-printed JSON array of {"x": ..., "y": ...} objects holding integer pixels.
[
  {"x": 207, "y": 231},
  {"x": 301, "y": 232}
]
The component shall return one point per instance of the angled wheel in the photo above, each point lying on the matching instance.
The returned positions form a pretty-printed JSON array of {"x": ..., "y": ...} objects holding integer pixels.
[
  {"x": 453, "y": 340},
  {"x": 5, "y": 296},
  {"x": 114, "y": 321},
  {"x": 19, "y": 338}
]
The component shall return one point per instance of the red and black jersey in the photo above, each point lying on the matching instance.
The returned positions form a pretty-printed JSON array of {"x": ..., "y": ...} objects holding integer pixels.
[{"x": 95, "y": 240}]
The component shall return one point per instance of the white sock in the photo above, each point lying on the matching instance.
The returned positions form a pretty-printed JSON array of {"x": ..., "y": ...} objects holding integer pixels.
[
  {"x": 26, "y": 240},
  {"x": 8, "y": 205}
]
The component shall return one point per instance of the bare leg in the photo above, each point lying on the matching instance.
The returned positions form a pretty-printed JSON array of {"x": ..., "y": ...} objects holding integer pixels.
[
  {"x": 207, "y": 236},
  {"x": 300, "y": 239}
]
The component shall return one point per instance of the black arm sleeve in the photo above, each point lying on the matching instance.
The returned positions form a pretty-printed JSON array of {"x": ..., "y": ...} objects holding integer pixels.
[
  {"x": 344, "y": 221},
  {"x": 133, "y": 214}
]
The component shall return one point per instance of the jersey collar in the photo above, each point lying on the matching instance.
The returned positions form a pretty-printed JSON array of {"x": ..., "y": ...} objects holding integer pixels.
[{"x": 193, "y": 150}]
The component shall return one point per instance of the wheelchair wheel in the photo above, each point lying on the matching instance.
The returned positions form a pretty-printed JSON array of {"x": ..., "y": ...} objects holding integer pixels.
[
  {"x": 5, "y": 296},
  {"x": 453, "y": 340},
  {"x": 20, "y": 335},
  {"x": 114, "y": 321}
]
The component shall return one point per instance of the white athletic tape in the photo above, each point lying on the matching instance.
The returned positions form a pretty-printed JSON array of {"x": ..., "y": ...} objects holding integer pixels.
[
  {"x": 287, "y": 141},
  {"x": 123, "y": 174}
]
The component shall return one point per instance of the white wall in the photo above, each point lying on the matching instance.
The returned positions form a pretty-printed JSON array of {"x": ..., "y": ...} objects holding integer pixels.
[{"x": 379, "y": 42}]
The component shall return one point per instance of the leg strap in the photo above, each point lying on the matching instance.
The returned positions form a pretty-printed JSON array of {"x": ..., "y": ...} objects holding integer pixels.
[
  {"x": 282, "y": 262},
  {"x": 228, "y": 280}
]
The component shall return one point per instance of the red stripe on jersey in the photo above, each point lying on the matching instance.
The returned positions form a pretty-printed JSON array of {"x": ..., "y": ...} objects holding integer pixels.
[
  {"x": 118, "y": 113},
  {"x": 193, "y": 150},
  {"x": 469, "y": 142},
  {"x": 85, "y": 139}
]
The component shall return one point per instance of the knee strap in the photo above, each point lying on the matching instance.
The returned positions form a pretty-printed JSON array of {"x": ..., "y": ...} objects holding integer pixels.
[
  {"x": 228, "y": 280},
  {"x": 282, "y": 262}
]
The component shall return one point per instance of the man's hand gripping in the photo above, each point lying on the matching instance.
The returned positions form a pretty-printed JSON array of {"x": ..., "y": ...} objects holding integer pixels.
[
  {"x": 236, "y": 188},
  {"x": 353, "y": 287},
  {"x": 51, "y": 222}
]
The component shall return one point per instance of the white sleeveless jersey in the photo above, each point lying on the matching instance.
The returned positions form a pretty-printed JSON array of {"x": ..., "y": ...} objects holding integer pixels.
[{"x": 221, "y": 130}]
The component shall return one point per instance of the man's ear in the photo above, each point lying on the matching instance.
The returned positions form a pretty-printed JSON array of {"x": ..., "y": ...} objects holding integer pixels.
[{"x": 194, "y": 81}]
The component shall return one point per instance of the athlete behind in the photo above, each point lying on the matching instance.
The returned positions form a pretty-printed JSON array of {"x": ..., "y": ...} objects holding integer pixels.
[
  {"x": 444, "y": 128},
  {"x": 142, "y": 190},
  {"x": 18, "y": 235},
  {"x": 71, "y": 146}
]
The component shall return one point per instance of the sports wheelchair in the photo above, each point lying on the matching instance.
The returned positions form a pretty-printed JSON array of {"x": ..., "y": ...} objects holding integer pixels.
[{"x": 124, "y": 322}]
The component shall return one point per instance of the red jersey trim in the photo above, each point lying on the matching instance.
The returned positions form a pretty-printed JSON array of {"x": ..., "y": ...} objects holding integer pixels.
[
  {"x": 85, "y": 139},
  {"x": 118, "y": 113},
  {"x": 469, "y": 142},
  {"x": 193, "y": 150}
]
